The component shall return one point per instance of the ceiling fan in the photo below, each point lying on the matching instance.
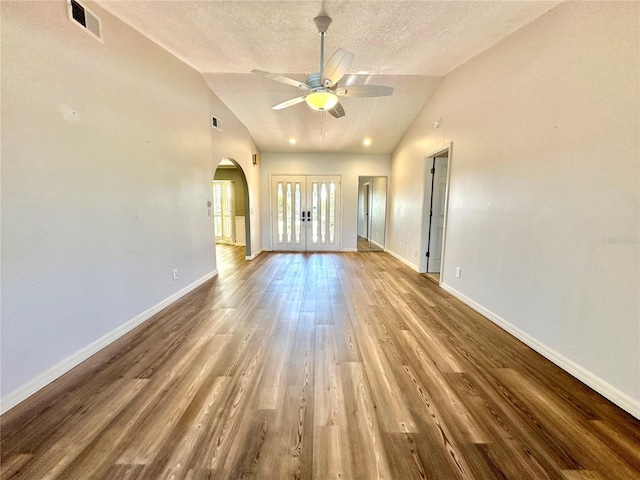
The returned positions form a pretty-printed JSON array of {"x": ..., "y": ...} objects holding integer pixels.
[{"x": 322, "y": 87}]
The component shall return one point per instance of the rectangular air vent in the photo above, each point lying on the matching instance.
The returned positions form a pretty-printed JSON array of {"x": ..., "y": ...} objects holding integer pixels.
[
  {"x": 85, "y": 19},
  {"x": 216, "y": 123}
]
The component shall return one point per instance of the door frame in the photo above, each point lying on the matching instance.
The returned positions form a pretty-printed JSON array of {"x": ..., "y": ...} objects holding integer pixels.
[
  {"x": 367, "y": 208},
  {"x": 426, "y": 207},
  {"x": 290, "y": 174}
]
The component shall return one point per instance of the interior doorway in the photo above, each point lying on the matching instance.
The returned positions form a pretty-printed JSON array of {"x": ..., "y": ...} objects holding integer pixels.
[
  {"x": 372, "y": 213},
  {"x": 229, "y": 206},
  {"x": 438, "y": 178}
]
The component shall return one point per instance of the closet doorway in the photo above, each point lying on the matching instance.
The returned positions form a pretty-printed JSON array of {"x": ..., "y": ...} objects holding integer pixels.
[
  {"x": 372, "y": 213},
  {"x": 436, "y": 203}
]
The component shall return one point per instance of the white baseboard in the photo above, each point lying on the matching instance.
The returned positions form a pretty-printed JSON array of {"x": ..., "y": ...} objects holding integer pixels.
[
  {"x": 253, "y": 255},
  {"x": 21, "y": 393},
  {"x": 403, "y": 260},
  {"x": 604, "y": 388},
  {"x": 348, "y": 249},
  {"x": 381, "y": 247}
]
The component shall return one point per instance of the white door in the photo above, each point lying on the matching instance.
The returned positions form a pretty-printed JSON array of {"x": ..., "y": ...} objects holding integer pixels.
[
  {"x": 323, "y": 213},
  {"x": 436, "y": 230},
  {"x": 288, "y": 205},
  {"x": 305, "y": 213}
]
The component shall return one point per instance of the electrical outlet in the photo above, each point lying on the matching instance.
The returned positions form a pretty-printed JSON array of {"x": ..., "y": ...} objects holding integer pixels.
[
  {"x": 415, "y": 254},
  {"x": 175, "y": 273},
  {"x": 458, "y": 272}
]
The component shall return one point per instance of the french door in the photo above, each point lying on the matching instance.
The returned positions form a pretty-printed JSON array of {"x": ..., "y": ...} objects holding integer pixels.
[{"x": 305, "y": 213}]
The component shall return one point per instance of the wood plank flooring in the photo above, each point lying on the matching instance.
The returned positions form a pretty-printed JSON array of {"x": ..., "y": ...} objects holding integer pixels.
[
  {"x": 300, "y": 366},
  {"x": 365, "y": 245}
]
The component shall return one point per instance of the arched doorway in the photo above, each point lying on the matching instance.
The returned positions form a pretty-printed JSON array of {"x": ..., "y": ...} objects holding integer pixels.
[{"x": 230, "y": 209}]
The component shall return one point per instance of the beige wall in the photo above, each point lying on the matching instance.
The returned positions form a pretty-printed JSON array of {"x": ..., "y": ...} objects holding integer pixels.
[
  {"x": 544, "y": 195},
  {"x": 107, "y": 163}
]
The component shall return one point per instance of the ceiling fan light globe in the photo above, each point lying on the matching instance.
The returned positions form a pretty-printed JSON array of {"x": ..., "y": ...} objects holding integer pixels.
[{"x": 321, "y": 101}]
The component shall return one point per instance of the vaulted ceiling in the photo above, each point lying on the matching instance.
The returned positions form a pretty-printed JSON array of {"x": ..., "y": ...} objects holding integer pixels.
[{"x": 408, "y": 45}]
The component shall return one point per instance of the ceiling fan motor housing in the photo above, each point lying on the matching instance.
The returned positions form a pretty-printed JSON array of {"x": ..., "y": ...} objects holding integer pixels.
[
  {"x": 314, "y": 80},
  {"x": 322, "y": 22}
]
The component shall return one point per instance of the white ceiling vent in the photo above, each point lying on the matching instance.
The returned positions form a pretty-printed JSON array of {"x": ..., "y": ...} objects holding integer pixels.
[
  {"x": 216, "y": 123},
  {"x": 85, "y": 19}
]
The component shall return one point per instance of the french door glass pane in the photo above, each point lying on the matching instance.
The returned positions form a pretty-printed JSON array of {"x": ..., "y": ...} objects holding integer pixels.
[
  {"x": 314, "y": 213},
  {"x": 323, "y": 213},
  {"x": 289, "y": 212},
  {"x": 297, "y": 213},
  {"x": 332, "y": 212},
  {"x": 280, "y": 213}
]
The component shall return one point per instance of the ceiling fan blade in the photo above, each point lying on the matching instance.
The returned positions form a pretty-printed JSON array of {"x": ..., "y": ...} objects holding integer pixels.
[
  {"x": 337, "y": 111},
  {"x": 289, "y": 103},
  {"x": 282, "y": 79},
  {"x": 336, "y": 67},
  {"x": 364, "y": 91}
]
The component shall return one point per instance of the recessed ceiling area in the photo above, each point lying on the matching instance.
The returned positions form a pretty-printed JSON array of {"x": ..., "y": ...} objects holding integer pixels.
[{"x": 408, "y": 45}]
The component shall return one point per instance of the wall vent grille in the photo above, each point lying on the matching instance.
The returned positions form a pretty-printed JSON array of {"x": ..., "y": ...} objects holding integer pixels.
[
  {"x": 216, "y": 123},
  {"x": 85, "y": 19}
]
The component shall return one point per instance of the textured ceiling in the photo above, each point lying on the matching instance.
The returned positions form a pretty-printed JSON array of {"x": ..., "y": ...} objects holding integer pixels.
[{"x": 408, "y": 45}]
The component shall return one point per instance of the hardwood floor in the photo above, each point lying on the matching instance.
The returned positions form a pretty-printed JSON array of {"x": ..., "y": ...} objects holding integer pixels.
[
  {"x": 365, "y": 245},
  {"x": 433, "y": 276},
  {"x": 318, "y": 366}
]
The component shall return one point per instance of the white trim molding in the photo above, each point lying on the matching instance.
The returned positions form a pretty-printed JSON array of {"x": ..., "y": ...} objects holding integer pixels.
[
  {"x": 254, "y": 255},
  {"x": 403, "y": 260},
  {"x": 21, "y": 393},
  {"x": 601, "y": 386},
  {"x": 345, "y": 250},
  {"x": 381, "y": 247}
]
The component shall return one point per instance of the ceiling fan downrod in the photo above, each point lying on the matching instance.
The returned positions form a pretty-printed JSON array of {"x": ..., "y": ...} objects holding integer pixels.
[{"x": 322, "y": 22}]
